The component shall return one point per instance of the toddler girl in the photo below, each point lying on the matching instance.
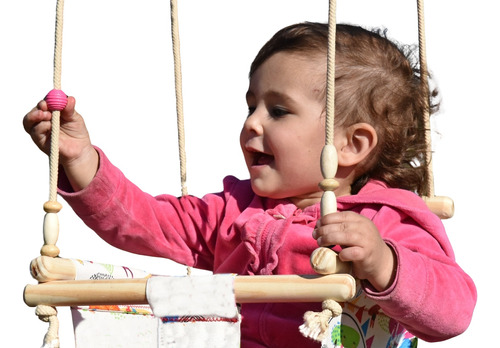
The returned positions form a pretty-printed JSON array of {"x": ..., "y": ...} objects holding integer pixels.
[{"x": 271, "y": 223}]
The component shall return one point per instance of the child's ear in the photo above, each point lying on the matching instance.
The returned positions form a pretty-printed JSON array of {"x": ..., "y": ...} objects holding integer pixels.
[{"x": 360, "y": 140}]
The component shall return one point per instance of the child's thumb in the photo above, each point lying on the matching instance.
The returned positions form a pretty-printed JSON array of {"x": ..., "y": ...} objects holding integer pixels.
[{"x": 69, "y": 111}]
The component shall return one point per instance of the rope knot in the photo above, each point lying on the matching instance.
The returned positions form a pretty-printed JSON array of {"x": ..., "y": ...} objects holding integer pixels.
[
  {"x": 45, "y": 312},
  {"x": 49, "y": 314},
  {"x": 316, "y": 323}
]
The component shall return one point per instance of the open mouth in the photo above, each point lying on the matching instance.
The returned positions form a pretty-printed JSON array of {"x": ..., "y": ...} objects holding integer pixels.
[{"x": 260, "y": 159}]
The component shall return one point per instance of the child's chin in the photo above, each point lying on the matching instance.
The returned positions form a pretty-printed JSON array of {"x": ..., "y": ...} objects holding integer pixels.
[{"x": 261, "y": 192}]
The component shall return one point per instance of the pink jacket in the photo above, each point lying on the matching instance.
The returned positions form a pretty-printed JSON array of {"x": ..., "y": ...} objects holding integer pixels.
[{"x": 235, "y": 231}]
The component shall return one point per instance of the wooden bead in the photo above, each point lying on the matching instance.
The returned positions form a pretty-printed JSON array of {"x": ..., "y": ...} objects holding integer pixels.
[
  {"x": 328, "y": 203},
  {"x": 329, "y": 184},
  {"x": 329, "y": 161},
  {"x": 50, "y": 228},
  {"x": 49, "y": 250},
  {"x": 326, "y": 261},
  {"x": 52, "y": 207}
]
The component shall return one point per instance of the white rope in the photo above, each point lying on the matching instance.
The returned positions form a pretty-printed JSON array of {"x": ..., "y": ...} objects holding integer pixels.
[
  {"x": 49, "y": 315},
  {"x": 424, "y": 76},
  {"x": 52, "y": 207},
  {"x": 178, "y": 94},
  {"x": 179, "y": 101},
  {"x": 54, "y": 146},
  {"x": 330, "y": 77},
  {"x": 316, "y": 324}
]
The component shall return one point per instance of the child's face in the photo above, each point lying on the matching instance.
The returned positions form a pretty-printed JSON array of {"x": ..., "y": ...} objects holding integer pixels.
[{"x": 283, "y": 136}]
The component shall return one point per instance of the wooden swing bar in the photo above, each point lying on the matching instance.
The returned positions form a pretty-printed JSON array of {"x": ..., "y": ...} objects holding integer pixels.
[
  {"x": 58, "y": 287},
  {"x": 247, "y": 289}
]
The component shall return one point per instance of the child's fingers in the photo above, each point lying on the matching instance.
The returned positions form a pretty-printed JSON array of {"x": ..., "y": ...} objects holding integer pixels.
[
  {"x": 34, "y": 117},
  {"x": 343, "y": 233},
  {"x": 39, "y": 130},
  {"x": 42, "y": 105},
  {"x": 339, "y": 217},
  {"x": 343, "y": 228},
  {"x": 352, "y": 254}
]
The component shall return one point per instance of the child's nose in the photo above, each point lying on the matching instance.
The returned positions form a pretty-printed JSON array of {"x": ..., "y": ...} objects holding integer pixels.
[{"x": 253, "y": 123}]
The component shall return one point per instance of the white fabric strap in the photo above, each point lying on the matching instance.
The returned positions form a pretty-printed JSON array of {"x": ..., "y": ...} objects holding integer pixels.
[{"x": 194, "y": 295}]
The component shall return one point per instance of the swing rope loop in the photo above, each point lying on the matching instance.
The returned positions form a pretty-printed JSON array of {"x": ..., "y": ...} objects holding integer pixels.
[{"x": 323, "y": 259}]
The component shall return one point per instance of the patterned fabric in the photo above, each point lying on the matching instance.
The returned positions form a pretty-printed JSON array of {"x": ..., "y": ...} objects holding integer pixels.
[
  {"x": 112, "y": 326},
  {"x": 115, "y": 326},
  {"x": 362, "y": 324}
]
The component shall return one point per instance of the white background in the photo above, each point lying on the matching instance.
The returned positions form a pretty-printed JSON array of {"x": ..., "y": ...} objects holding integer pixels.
[{"x": 117, "y": 63}]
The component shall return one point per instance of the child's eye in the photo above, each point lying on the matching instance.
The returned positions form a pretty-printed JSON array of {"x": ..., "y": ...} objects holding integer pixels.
[{"x": 278, "y": 112}]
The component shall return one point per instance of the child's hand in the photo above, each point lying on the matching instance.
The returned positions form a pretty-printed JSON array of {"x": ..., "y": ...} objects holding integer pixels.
[
  {"x": 76, "y": 153},
  {"x": 361, "y": 243}
]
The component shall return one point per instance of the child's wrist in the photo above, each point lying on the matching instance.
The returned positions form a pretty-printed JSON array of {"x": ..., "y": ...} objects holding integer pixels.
[
  {"x": 81, "y": 170},
  {"x": 387, "y": 274}
]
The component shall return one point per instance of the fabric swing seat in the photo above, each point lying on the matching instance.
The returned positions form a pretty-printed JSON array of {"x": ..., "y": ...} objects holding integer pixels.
[
  {"x": 165, "y": 311},
  {"x": 181, "y": 319}
]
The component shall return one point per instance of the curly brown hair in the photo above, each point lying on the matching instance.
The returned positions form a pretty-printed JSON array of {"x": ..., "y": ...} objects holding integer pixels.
[{"x": 377, "y": 81}]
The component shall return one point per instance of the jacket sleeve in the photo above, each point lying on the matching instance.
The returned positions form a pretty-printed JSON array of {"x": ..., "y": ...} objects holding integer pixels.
[
  {"x": 431, "y": 295},
  {"x": 181, "y": 229}
]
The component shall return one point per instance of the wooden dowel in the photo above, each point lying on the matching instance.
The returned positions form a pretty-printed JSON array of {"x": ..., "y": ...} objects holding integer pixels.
[
  {"x": 294, "y": 288},
  {"x": 45, "y": 269},
  {"x": 248, "y": 289},
  {"x": 86, "y": 292},
  {"x": 442, "y": 206}
]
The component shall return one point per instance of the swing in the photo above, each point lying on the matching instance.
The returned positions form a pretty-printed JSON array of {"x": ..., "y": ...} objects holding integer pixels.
[{"x": 56, "y": 276}]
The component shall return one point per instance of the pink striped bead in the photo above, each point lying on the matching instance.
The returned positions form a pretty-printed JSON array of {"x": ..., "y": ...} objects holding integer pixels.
[{"x": 56, "y": 100}]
